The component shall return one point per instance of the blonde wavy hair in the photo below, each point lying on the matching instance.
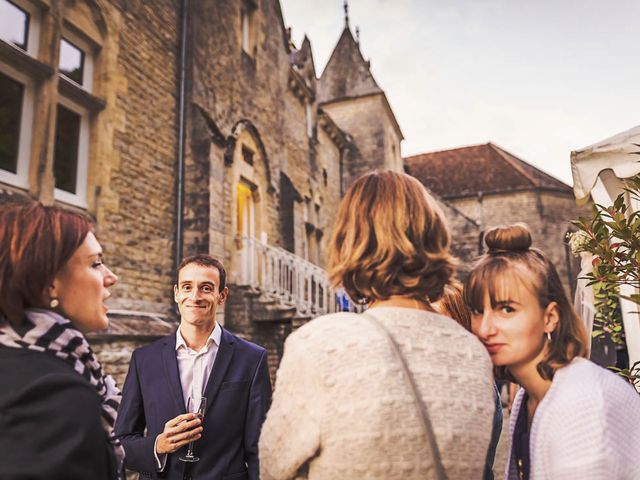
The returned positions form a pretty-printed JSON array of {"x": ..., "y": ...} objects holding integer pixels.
[{"x": 390, "y": 238}]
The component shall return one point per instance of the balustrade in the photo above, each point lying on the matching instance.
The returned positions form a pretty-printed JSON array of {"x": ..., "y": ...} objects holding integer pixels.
[{"x": 293, "y": 281}]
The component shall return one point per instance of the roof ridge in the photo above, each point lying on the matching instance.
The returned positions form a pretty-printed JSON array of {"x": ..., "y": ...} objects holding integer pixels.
[
  {"x": 505, "y": 156},
  {"x": 538, "y": 183},
  {"x": 448, "y": 150}
]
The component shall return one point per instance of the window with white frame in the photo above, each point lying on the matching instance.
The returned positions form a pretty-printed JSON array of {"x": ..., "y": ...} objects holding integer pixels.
[
  {"x": 71, "y": 152},
  {"x": 71, "y": 148},
  {"x": 20, "y": 25},
  {"x": 76, "y": 60},
  {"x": 20, "y": 30},
  {"x": 71, "y": 63},
  {"x": 16, "y": 120}
]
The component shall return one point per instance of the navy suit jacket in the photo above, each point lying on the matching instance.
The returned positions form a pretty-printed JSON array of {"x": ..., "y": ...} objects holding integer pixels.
[{"x": 238, "y": 396}]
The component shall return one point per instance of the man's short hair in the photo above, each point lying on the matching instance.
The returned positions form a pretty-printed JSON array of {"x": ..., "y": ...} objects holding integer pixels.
[{"x": 205, "y": 260}]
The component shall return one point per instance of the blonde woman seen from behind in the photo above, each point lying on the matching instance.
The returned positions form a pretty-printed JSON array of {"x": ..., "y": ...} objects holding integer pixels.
[
  {"x": 571, "y": 419},
  {"x": 343, "y": 406}
]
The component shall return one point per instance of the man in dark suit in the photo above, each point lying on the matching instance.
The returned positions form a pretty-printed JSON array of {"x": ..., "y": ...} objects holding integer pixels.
[{"x": 200, "y": 359}]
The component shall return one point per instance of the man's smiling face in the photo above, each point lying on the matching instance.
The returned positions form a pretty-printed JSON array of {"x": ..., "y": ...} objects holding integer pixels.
[{"x": 198, "y": 294}]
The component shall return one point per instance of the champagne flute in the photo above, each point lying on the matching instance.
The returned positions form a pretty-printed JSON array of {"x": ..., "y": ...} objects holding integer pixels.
[{"x": 195, "y": 405}]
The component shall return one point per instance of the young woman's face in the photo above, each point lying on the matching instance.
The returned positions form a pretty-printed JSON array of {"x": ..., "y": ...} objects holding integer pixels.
[
  {"x": 514, "y": 330},
  {"x": 81, "y": 287}
]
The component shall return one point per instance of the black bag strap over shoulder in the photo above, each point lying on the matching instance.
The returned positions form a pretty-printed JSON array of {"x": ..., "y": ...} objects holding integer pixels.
[{"x": 420, "y": 406}]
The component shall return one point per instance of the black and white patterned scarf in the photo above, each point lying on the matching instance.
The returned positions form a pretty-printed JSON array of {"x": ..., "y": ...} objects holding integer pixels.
[{"x": 47, "y": 332}]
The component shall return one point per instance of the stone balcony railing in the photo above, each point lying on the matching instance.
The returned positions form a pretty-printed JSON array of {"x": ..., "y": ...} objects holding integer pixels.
[{"x": 289, "y": 279}]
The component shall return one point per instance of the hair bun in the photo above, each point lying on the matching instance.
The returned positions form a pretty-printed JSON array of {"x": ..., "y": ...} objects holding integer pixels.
[{"x": 514, "y": 238}]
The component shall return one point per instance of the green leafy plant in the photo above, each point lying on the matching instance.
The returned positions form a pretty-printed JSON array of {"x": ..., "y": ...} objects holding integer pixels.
[
  {"x": 632, "y": 375},
  {"x": 612, "y": 236}
]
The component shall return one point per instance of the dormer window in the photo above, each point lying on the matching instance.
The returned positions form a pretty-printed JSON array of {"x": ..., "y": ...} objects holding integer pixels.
[{"x": 14, "y": 24}]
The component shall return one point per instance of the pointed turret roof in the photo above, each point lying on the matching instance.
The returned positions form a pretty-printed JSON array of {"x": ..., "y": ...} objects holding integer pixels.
[
  {"x": 347, "y": 73},
  {"x": 304, "y": 59}
]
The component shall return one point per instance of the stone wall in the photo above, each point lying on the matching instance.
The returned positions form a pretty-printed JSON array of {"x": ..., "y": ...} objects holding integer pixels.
[
  {"x": 239, "y": 99},
  {"x": 465, "y": 233},
  {"x": 329, "y": 160},
  {"x": 366, "y": 120},
  {"x": 137, "y": 217},
  {"x": 132, "y": 123},
  {"x": 548, "y": 215},
  {"x": 115, "y": 354}
]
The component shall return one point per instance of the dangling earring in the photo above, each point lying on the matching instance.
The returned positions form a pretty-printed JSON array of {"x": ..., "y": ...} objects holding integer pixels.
[
  {"x": 54, "y": 303},
  {"x": 549, "y": 337}
]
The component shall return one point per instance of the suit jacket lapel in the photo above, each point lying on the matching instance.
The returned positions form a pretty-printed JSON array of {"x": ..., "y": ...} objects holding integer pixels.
[
  {"x": 220, "y": 367},
  {"x": 170, "y": 363}
]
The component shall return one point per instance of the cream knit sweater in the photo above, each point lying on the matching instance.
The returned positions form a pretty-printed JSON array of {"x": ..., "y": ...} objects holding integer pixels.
[
  {"x": 587, "y": 427},
  {"x": 341, "y": 406}
]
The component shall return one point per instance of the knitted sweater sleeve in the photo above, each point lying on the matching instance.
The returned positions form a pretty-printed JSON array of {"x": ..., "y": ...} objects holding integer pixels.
[
  {"x": 586, "y": 433},
  {"x": 574, "y": 446},
  {"x": 291, "y": 432}
]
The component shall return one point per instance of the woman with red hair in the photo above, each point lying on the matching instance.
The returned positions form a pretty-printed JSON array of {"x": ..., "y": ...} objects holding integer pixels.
[{"x": 58, "y": 408}]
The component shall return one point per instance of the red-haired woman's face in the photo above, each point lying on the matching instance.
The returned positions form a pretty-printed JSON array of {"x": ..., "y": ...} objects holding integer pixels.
[{"x": 81, "y": 286}]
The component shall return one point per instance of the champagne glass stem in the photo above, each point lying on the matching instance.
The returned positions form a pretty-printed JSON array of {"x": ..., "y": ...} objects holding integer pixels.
[{"x": 190, "y": 451}]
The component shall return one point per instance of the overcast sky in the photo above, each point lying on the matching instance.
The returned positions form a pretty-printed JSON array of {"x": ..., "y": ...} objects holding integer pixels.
[{"x": 537, "y": 77}]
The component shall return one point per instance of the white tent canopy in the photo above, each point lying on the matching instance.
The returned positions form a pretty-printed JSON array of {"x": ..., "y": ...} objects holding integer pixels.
[
  {"x": 619, "y": 153},
  {"x": 598, "y": 171}
]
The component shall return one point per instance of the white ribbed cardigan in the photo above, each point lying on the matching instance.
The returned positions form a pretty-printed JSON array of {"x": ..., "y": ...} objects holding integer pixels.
[{"x": 586, "y": 427}]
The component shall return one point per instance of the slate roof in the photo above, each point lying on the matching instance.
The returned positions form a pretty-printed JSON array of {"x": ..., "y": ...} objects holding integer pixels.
[
  {"x": 484, "y": 168},
  {"x": 347, "y": 73}
]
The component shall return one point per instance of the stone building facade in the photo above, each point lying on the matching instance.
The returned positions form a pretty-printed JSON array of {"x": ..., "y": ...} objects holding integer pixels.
[
  {"x": 89, "y": 122},
  {"x": 184, "y": 127},
  {"x": 493, "y": 187}
]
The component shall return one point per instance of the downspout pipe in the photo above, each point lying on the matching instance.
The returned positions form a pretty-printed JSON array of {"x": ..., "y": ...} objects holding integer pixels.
[{"x": 184, "y": 13}]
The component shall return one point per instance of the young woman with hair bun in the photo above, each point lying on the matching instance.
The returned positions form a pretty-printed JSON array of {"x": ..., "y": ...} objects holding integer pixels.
[{"x": 571, "y": 419}]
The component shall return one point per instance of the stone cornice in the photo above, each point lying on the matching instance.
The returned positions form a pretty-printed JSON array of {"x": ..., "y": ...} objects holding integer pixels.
[
  {"x": 337, "y": 136},
  {"x": 24, "y": 62},
  {"x": 79, "y": 95},
  {"x": 299, "y": 87}
]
